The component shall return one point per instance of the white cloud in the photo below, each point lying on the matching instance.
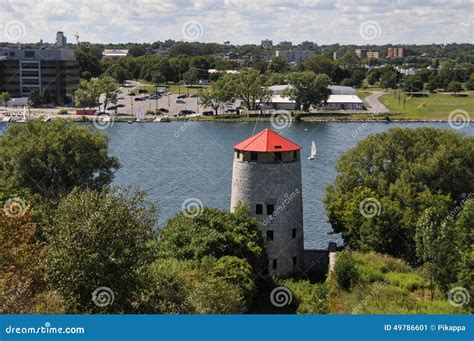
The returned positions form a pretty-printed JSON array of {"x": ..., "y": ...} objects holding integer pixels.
[{"x": 244, "y": 21}]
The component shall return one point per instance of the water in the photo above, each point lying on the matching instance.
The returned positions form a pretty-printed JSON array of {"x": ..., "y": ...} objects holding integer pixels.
[{"x": 181, "y": 160}]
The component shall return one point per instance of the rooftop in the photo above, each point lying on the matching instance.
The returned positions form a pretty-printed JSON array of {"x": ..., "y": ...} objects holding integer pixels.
[{"x": 267, "y": 141}]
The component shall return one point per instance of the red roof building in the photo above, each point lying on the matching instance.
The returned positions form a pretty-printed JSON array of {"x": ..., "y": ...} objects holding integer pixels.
[{"x": 267, "y": 141}]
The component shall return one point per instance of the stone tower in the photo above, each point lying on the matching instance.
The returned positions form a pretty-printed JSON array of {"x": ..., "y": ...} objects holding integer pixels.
[{"x": 267, "y": 177}]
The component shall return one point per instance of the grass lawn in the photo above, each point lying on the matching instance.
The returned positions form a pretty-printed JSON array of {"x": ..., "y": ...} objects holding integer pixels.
[
  {"x": 363, "y": 93},
  {"x": 435, "y": 106},
  {"x": 388, "y": 285},
  {"x": 176, "y": 89}
]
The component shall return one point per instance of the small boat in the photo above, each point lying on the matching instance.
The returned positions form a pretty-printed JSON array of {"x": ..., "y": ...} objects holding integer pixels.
[
  {"x": 130, "y": 121},
  {"x": 162, "y": 119},
  {"x": 313, "y": 151}
]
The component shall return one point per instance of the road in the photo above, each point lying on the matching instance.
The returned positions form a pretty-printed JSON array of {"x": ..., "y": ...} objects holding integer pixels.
[{"x": 373, "y": 103}]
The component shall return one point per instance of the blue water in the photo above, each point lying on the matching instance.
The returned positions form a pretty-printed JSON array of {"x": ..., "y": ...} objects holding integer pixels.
[{"x": 181, "y": 160}]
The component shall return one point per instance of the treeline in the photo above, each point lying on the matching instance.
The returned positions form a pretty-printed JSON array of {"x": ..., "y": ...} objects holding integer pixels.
[{"x": 70, "y": 243}]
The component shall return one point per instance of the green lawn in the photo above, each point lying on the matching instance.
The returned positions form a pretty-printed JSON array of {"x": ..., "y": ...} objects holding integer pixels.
[
  {"x": 176, "y": 89},
  {"x": 435, "y": 106},
  {"x": 363, "y": 93}
]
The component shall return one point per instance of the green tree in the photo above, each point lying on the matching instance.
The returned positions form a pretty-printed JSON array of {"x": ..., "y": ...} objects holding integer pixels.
[
  {"x": 278, "y": 65},
  {"x": 387, "y": 181},
  {"x": 373, "y": 76},
  {"x": 35, "y": 99},
  {"x": 454, "y": 86},
  {"x": 100, "y": 239},
  {"x": 191, "y": 77},
  {"x": 345, "y": 271},
  {"x": 219, "y": 93},
  {"x": 88, "y": 93},
  {"x": 308, "y": 88},
  {"x": 469, "y": 84},
  {"x": 213, "y": 233},
  {"x": 51, "y": 159},
  {"x": 108, "y": 87},
  {"x": 388, "y": 79},
  {"x": 4, "y": 97},
  {"x": 46, "y": 97},
  {"x": 250, "y": 88},
  {"x": 412, "y": 83},
  {"x": 318, "y": 64}
]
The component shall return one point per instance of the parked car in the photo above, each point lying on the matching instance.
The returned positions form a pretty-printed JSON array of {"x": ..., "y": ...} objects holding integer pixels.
[
  {"x": 208, "y": 113},
  {"x": 179, "y": 101},
  {"x": 154, "y": 96},
  {"x": 164, "y": 110},
  {"x": 193, "y": 96},
  {"x": 181, "y": 96},
  {"x": 120, "y": 105},
  {"x": 186, "y": 112},
  {"x": 231, "y": 110},
  {"x": 139, "y": 99}
]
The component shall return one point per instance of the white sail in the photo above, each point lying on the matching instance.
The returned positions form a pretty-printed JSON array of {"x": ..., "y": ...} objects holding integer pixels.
[{"x": 313, "y": 151}]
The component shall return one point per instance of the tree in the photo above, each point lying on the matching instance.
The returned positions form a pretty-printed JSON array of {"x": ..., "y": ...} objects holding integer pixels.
[
  {"x": 88, "y": 94},
  {"x": 388, "y": 79},
  {"x": 454, "y": 86},
  {"x": 215, "y": 233},
  {"x": 308, "y": 88},
  {"x": 4, "y": 97},
  {"x": 278, "y": 65},
  {"x": 51, "y": 159},
  {"x": 46, "y": 97},
  {"x": 136, "y": 51},
  {"x": 469, "y": 84},
  {"x": 345, "y": 270},
  {"x": 250, "y": 88},
  {"x": 100, "y": 239},
  {"x": 412, "y": 83},
  {"x": 435, "y": 239},
  {"x": 219, "y": 93},
  {"x": 318, "y": 64},
  {"x": 373, "y": 75},
  {"x": 21, "y": 264},
  {"x": 387, "y": 181},
  {"x": 34, "y": 98},
  {"x": 108, "y": 87},
  {"x": 191, "y": 77}
]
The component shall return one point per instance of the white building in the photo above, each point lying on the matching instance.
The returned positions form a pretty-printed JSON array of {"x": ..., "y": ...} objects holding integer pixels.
[
  {"x": 114, "y": 53},
  {"x": 343, "y": 102},
  {"x": 295, "y": 55}
]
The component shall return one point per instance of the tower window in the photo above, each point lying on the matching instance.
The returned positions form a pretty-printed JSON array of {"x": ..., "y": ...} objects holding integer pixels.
[
  {"x": 238, "y": 154},
  {"x": 274, "y": 264},
  {"x": 293, "y": 233},
  {"x": 258, "y": 209},
  {"x": 295, "y": 155},
  {"x": 269, "y": 235},
  {"x": 253, "y": 156},
  {"x": 294, "y": 260},
  {"x": 270, "y": 209},
  {"x": 277, "y": 156}
]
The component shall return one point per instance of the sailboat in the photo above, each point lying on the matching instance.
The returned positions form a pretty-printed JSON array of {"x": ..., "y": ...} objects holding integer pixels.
[
  {"x": 313, "y": 151},
  {"x": 140, "y": 116}
]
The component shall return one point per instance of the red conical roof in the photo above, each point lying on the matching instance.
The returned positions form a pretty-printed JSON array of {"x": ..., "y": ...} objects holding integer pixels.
[{"x": 267, "y": 141}]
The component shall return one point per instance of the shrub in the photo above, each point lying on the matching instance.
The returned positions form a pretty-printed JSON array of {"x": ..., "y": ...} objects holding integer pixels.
[
  {"x": 345, "y": 270},
  {"x": 63, "y": 112}
]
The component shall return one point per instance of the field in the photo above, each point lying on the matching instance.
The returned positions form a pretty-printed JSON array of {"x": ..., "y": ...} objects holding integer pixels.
[
  {"x": 434, "y": 107},
  {"x": 388, "y": 285}
]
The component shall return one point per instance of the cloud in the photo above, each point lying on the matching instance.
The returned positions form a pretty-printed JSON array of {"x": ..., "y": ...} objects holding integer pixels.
[{"x": 244, "y": 21}]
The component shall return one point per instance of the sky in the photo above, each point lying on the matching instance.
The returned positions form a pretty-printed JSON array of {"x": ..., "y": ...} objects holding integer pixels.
[{"x": 240, "y": 21}]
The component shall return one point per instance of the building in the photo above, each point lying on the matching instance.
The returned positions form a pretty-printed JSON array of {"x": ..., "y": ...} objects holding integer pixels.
[
  {"x": 295, "y": 55},
  {"x": 343, "y": 98},
  {"x": 267, "y": 43},
  {"x": 25, "y": 70},
  {"x": 278, "y": 100},
  {"x": 307, "y": 44},
  {"x": 361, "y": 53},
  {"x": 285, "y": 44},
  {"x": 227, "y": 43},
  {"x": 373, "y": 54},
  {"x": 267, "y": 176},
  {"x": 114, "y": 53},
  {"x": 396, "y": 52},
  {"x": 61, "y": 40},
  {"x": 335, "y": 55}
]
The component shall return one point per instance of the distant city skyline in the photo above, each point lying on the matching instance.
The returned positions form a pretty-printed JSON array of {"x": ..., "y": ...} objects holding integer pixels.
[{"x": 239, "y": 21}]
